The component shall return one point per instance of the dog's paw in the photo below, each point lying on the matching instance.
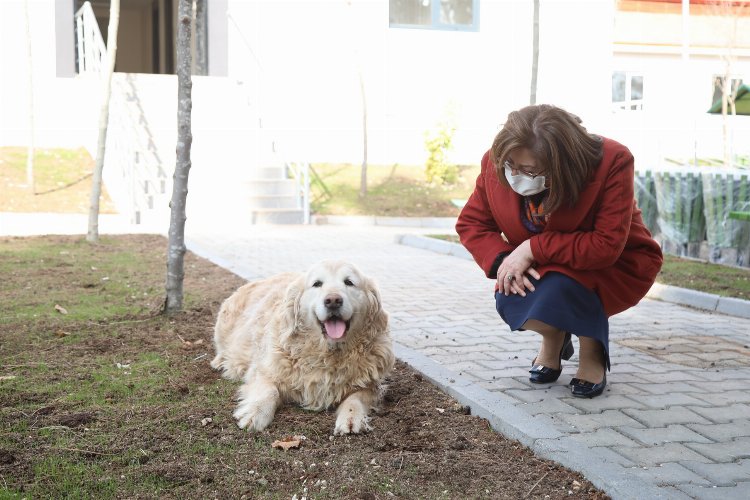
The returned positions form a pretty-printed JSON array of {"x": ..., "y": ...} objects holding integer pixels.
[
  {"x": 352, "y": 418},
  {"x": 253, "y": 416},
  {"x": 217, "y": 362}
]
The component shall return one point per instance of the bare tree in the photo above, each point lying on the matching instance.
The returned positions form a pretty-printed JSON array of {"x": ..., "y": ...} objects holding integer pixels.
[
  {"x": 363, "y": 171},
  {"x": 534, "y": 53},
  {"x": 356, "y": 57},
  {"x": 96, "y": 182},
  {"x": 30, "y": 148},
  {"x": 176, "y": 250},
  {"x": 730, "y": 11}
]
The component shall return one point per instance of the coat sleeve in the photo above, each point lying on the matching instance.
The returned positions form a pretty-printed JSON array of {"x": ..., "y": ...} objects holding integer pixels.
[
  {"x": 477, "y": 228},
  {"x": 600, "y": 247}
]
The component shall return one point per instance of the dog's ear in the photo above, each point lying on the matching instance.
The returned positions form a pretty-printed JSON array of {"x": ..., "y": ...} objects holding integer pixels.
[
  {"x": 376, "y": 315},
  {"x": 290, "y": 307}
]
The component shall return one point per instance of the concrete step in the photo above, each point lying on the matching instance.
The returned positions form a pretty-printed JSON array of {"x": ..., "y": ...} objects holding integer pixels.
[
  {"x": 276, "y": 172},
  {"x": 278, "y": 187},
  {"x": 272, "y": 201},
  {"x": 277, "y": 216}
]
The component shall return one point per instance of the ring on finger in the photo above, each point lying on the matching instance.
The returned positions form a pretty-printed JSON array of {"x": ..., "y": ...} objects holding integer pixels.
[{"x": 509, "y": 277}]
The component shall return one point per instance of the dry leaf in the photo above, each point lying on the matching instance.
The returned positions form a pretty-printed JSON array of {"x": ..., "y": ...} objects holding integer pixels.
[
  {"x": 189, "y": 344},
  {"x": 61, "y": 334},
  {"x": 288, "y": 442},
  {"x": 206, "y": 421},
  {"x": 60, "y": 309}
]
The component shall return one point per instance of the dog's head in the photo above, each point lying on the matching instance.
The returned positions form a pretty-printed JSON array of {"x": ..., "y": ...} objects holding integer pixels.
[{"x": 336, "y": 299}]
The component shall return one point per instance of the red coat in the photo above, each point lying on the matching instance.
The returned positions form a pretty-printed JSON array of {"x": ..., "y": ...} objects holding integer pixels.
[{"x": 601, "y": 242}]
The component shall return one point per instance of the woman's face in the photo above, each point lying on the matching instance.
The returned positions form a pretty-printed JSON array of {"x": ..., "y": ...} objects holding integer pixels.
[{"x": 521, "y": 161}]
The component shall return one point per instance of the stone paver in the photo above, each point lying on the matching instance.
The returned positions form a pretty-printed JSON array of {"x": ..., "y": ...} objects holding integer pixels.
[
  {"x": 659, "y": 455},
  {"x": 686, "y": 421},
  {"x": 723, "y": 452},
  {"x": 722, "y": 474},
  {"x": 724, "y": 432},
  {"x": 661, "y": 435},
  {"x": 741, "y": 491}
]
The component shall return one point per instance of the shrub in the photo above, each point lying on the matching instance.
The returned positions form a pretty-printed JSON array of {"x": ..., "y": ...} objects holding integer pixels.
[{"x": 437, "y": 142}]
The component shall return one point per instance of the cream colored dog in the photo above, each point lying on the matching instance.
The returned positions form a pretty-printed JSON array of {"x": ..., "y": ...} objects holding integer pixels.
[{"x": 318, "y": 339}]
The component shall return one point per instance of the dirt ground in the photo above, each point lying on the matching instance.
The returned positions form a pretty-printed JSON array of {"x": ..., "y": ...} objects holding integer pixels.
[{"x": 128, "y": 407}]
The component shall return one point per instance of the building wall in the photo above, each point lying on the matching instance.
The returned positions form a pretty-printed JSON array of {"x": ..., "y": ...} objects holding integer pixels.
[
  {"x": 300, "y": 62},
  {"x": 65, "y": 108},
  {"x": 295, "y": 66}
]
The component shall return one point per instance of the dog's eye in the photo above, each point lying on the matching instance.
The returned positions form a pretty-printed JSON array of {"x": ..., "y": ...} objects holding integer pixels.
[
  {"x": 318, "y": 284},
  {"x": 348, "y": 282}
]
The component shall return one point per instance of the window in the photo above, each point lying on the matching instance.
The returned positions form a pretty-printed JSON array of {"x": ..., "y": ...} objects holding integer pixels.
[
  {"x": 719, "y": 83},
  {"x": 459, "y": 15},
  {"x": 627, "y": 91}
]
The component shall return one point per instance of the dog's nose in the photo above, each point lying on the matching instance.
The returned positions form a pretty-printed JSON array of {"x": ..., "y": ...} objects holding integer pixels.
[{"x": 333, "y": 301}]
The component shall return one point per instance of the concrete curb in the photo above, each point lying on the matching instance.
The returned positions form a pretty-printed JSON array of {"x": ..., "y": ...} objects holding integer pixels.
[
  {"x": 667, "y": 293},
  {"x": 541, "y": 438}
]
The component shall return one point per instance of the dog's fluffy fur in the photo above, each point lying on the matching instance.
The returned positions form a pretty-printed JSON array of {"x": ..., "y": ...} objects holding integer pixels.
[{"x": 318, "y": 339}]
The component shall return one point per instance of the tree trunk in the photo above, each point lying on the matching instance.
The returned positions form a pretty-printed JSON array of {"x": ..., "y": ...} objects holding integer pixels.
[
  {"x": 534, "y": 54},
  {"x": 201, "y": 29},
  {"x": 363, "y": 172},
  {"x": 176, "y": 250},
  {"x": 727, "y": 9},
  {"x": 96, "y": 181},
  {"x": 726, "y": 91},
  {"x": 30, "y": 148}
]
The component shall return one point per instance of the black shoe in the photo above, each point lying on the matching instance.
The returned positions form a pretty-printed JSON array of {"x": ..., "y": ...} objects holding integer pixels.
[
  {"x": 543, "y": 375},
  {"x": 582, "y": 389}
]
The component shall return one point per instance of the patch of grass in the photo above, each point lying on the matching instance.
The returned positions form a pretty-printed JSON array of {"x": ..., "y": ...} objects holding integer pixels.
[
  {"x": 62, "y": 181},
  {"x": 706, "y": 277},
  {"x": 688, "y": 273},
  {"x": 104, "y": 278},
  {"x": 65, "y": 477},
  {"x": 395, "y": 190}
]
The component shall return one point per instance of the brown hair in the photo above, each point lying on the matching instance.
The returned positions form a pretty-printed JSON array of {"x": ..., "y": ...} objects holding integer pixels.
[{"x": 558, "y": 142}]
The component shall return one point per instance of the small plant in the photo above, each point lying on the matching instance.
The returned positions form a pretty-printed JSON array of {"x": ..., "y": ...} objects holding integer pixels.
[{"x": 437, "y": 142}]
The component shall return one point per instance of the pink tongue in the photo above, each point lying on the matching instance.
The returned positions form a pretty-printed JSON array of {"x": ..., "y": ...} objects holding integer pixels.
[{"x": 335, "y": 328}]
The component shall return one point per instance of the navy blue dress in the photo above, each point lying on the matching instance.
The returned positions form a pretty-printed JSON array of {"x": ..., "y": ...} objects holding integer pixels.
[{"x": 558, "y": 301}]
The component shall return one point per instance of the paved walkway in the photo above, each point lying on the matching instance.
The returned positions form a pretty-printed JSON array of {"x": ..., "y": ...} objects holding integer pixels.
[{"x": 674, "y": 421}]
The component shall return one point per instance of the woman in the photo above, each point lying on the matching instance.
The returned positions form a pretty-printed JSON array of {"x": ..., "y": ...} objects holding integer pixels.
[{"x": 554, "y": 220}]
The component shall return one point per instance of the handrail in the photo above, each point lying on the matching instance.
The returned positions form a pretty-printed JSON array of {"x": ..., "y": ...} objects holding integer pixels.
[
  {"x": 91, "y": 46},
  {"x": 129, "y": 155},
  {"x": 300, "y": 172}
]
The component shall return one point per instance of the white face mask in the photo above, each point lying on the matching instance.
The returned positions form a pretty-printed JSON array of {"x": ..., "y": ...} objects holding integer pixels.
[{"x": 524, "y": 185}]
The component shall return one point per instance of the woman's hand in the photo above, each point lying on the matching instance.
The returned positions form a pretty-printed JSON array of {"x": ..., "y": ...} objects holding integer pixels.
[{"x": 512, "y": 273}]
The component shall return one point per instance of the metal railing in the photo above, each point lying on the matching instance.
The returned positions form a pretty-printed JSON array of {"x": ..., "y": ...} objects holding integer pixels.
[
  {"x": 300, "y": 173},
  {"x": 90, "y": 46}
]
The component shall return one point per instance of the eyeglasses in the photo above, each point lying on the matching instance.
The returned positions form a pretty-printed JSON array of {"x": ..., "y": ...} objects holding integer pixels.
[{"x": 510, "y": 168}]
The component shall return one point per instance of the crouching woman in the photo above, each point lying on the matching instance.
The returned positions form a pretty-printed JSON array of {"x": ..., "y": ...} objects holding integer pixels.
[{"x": 553, "y": 220}]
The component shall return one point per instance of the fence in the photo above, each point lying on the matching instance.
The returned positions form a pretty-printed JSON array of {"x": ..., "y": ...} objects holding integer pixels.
[{"x": 688, "y": 209}]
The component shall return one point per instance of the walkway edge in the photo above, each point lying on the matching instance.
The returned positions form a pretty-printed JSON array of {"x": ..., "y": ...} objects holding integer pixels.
[
  {"x": 545, "y": 441},
  {"x": 666, "y": 293}
]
